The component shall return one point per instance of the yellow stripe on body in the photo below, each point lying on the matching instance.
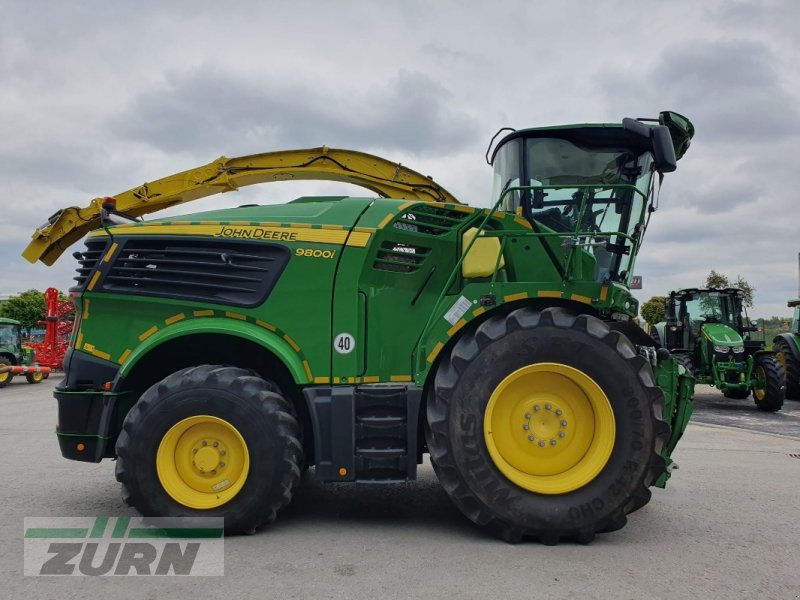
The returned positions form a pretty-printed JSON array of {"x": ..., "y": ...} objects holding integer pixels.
[
  {"x": 386, "y": 220},
  {"x": 175, "y": 319},
  {"x": 579, "y": 298},
  {"x": 435, "y": 352},
  {"x": 148, "y": 333},
  {"x": 296, "y": 232},
  {"x": 110, "y": 252},
  {"x": 456, "y": 327},
  {"x": 92, "y": 283},
  {"x": 512, "y": 297},
  {"x": 95, "y": 352}
]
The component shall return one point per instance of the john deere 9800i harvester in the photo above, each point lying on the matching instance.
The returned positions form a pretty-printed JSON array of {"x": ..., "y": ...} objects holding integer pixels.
[{"x": 219, "y": 353}]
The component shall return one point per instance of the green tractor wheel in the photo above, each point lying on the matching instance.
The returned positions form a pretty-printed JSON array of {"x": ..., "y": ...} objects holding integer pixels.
[
  {"x": 211, "y": 441},
  {"x": 791, "y": 367},
  {"x": 5, "y": 378},
  {"x": 546, "y": 424},
  {"x": 769, "y": 387}
]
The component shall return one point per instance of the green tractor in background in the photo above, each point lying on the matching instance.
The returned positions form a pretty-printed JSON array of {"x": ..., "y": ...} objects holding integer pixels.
[
  {"x": 16, "y": 358},
  {"x": 787, "y": 351},
  {"x": 709, "y": 332}
]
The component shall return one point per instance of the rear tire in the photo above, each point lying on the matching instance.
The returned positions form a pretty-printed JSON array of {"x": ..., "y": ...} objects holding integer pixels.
[
  {"x": 221, "y": 417},
  {"x": 514, "y": 487},
  {"x": 791, "y": 366},
  {"x": 36, "y": 377},
  {"x": 769, "y": 395}
]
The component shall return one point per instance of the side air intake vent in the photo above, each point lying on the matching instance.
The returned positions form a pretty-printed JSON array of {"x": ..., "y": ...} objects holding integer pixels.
[
  {"x": 87, "y": 260},
  {"x": 231, "y": 272},
  {"x": 430, "y": 219},
  {"x": 401, "y": 258}
]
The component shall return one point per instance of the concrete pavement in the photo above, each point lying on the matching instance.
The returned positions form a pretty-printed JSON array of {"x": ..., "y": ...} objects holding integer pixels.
[{"x": 726, "y": 526}]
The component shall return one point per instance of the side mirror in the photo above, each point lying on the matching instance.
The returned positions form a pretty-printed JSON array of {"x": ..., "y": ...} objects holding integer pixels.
[
  {"x": 664, "y": 157},
  {"x": 669, "y": 310},
  {"x": 663, "y": 150}
]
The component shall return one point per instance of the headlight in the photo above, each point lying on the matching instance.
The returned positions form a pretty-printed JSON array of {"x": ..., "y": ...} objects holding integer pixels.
[
  {"x": 738, "y": 349},
  {"x": 722, "y": 349}
]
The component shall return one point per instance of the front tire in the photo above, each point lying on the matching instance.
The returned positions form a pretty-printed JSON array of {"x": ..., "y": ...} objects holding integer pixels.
[
  {"x": 791, "y": 366},
  {"x": 769, "y": 389},
  {"x": 5, "y": 378},
  {"x": 210, "y": 441},
  {"x": 482, "y": 414}
]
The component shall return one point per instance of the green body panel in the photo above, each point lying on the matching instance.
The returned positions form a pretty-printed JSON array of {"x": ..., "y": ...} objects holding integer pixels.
[
  {"x": 721, "y": 335},
  {"x": 678, "y": 387},
  {"x": 365, "y": 298}
]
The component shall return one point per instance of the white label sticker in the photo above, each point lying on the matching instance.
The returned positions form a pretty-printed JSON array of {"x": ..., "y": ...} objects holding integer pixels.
[
  {"x": 457, "y": 311},
  {"x": 344, "y": 343}
]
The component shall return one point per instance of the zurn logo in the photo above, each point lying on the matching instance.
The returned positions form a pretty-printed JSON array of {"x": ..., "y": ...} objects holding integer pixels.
[{"x": 98, "y": 546}]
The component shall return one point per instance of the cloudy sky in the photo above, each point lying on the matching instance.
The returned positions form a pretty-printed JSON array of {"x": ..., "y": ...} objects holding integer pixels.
[{"x": 97, "y": 97}]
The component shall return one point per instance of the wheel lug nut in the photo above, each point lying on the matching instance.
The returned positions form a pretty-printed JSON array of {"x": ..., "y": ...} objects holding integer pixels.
[
  {"x": 214, "y": 472},
  {"x": 548, "y": 406},
  {"x": 558, "y": 412},
  {"x": 205, "y": 443},
  {"x": 194, "y": 450},
  {"x": 564, "y": 423},
  {"x": 537, "y": 407},
  {"x": 221, "y": 465},
  {"x": 531, "y": 438},
  {"x": 553, "y": 442},
  {"x": 222, "y": 452},
  {"x": 561, "y": 434},
  {"x": 541, "y": 443},
  {"x": 526, "y": 427},
  {"x": 215, "y": 444},
  {"x": 528, "y": 415}
]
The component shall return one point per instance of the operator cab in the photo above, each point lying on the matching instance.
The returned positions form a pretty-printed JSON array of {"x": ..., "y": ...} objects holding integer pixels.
[{"x": 590, "y": 185}]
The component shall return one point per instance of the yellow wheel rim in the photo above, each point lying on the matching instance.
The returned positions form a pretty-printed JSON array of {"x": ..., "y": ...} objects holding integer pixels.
[
  {"x": 549, "y": 428},
  {"x": 202, "y": 462},
  {"x": 37, "y": 377},
  {"x": 4, "y": 376},
  {"x": 760, "y": 389}
]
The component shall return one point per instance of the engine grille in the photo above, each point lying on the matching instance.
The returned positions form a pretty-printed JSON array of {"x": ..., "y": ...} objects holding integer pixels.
[
  {"x": 400, "y": 258},
  {"x": 236, "y": 273},
  {"x": 430, "y": 219},
  {"x": 87, "y": 261}
]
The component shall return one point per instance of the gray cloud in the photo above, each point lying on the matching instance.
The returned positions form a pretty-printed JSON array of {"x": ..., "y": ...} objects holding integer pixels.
[
  {"x": 732, "y": 88},
  {"x": 213, "y": 110}
]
